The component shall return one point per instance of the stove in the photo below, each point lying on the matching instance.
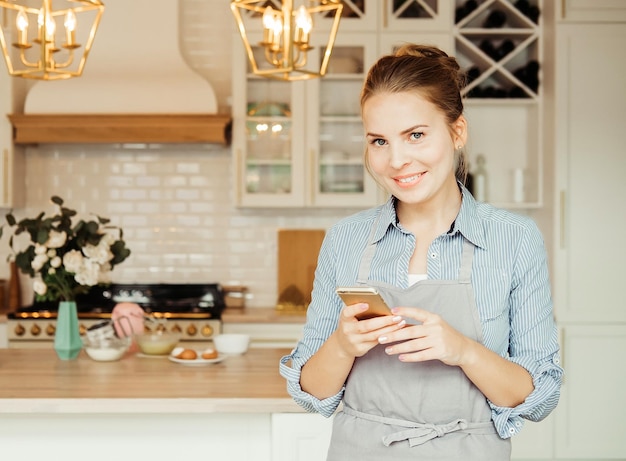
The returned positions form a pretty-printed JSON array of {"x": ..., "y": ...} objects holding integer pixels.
[{"x": 194, "y": 310}]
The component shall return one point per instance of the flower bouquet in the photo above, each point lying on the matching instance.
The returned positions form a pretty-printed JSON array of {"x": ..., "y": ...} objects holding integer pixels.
[{"x": 65, "y": 259}]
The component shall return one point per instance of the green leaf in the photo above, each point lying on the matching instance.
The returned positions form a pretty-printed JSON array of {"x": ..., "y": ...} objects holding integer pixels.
[
  {"x": 42, "y": 236},
  {"x": 56, "y": 200},
  {"x": 103, "y": 220},
  {"x": 11, "y": 219}
]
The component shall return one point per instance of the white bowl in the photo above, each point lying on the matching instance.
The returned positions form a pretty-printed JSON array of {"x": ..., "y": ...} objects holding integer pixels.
[
  {"x": 231, "y": 343},
  {"x": 106, "y": 351}
]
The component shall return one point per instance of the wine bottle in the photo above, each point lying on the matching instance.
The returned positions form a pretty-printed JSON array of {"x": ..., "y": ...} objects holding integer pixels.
[{"x": 480, "y": 179}]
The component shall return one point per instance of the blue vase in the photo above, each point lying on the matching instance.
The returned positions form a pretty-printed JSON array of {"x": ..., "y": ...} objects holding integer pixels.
[{"x": 67, "y": 341}]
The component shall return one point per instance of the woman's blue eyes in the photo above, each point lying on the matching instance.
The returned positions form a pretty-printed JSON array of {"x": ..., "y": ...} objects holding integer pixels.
[{"x": 413, "y": 137}]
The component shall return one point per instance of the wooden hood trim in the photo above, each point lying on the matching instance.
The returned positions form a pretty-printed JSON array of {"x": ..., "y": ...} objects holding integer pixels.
[{"x": 120, "y": 128}]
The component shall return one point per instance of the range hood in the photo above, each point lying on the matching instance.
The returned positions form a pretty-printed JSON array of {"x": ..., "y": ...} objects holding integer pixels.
[{"x": 136, "y": 87}]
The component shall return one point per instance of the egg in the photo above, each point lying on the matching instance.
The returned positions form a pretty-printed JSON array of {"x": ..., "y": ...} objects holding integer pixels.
[
  {"x": 209, "y": 354},
  {"x": 188, "y": 354}
]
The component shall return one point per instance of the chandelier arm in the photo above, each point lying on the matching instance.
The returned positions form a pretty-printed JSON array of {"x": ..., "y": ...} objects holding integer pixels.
[
  {"x": 67, "y": 63},
  {"x": 25, "y": 61}
]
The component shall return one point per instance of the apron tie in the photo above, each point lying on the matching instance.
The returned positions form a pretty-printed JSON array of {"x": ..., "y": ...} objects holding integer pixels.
[
  {"x": 422, "y": 433},
  {"x": 419, "y": 433}
]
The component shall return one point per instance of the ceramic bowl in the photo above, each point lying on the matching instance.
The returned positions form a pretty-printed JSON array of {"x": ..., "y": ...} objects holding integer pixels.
[
  {"x": 157, "y": 343},
  {"x": 106, "y": 351},
  {"x": 231, "y": 343}
]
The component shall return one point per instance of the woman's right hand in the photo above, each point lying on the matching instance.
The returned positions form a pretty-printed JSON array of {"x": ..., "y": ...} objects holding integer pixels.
[{"x": 356, "y": 337}]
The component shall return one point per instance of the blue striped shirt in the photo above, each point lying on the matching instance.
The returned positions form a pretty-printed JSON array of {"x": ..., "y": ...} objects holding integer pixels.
[{"x": 510, "y": 281}]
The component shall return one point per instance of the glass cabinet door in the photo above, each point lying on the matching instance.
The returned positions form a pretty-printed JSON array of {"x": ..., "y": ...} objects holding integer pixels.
[
  {"x": 266, "y": 115},
  {"x": 336, "y": 141}
]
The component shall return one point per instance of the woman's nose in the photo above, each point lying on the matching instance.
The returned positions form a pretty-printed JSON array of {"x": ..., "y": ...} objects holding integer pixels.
[{"x": 398, "y": 156}]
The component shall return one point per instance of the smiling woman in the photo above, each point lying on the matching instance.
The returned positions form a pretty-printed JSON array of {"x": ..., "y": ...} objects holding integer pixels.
[{"x": 461, "y": 363}]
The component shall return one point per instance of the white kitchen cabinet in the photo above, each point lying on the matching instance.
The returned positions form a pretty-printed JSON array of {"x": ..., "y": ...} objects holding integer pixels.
[
  {"x": 300, "y": 436},
  {"x": 593, "y": 10},
  {"x": 300, "y": 144},
  {"x": 589, "y": 421},
  {"x": 588, "y": 270},
  {"x": 591, "y": 103},
  {"x": 394, "y": 15}
]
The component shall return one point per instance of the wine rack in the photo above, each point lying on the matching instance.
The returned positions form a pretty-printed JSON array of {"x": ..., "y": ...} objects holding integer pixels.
[{"x": 498, "y": 45}]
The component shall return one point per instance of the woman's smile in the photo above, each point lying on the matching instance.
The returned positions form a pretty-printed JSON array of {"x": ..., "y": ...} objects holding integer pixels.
[{"x": 408, "y": 180}]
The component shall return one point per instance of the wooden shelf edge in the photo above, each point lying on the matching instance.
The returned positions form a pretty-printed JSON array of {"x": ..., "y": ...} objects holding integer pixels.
[{"x": 120, "y": 128}]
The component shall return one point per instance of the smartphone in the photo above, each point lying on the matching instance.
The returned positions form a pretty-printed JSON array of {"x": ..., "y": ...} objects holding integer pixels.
[{"x": 369, "y": 295}]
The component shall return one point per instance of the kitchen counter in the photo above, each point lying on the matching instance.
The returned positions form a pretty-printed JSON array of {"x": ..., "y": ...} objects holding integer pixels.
[
  {"x": 35, "y": 381},
  {"x": 262, "y": 315},
  {"x": 236, "y": 410}
]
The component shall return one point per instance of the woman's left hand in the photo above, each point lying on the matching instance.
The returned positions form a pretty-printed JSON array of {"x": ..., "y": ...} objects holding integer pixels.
[{"x": 431, "y": 339}]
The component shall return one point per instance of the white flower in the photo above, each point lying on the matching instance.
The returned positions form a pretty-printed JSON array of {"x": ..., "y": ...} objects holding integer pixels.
[
  {"x": 40, "y": 249},
  {"x": 88, "y": 273},
  {"x": 73, "y": 261},
  {"x": 38, "y": 262},
  {"x": 101, "y": 253},
  {"x": 56, "y": 239},
  {"x": 39, "y": 286},
  {"x": 51, "y": 253},
  {"x": 56, "y": 262}
]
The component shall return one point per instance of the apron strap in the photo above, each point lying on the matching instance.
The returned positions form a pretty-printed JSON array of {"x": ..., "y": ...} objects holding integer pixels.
[{"x": 420, "y": 433}]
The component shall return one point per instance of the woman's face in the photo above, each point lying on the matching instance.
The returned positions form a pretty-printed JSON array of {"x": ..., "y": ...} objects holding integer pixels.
[{"x": 410, "y": 145}]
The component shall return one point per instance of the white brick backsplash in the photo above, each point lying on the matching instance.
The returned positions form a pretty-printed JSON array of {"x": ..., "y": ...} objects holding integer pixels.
[{"x": 176, "y": 211}]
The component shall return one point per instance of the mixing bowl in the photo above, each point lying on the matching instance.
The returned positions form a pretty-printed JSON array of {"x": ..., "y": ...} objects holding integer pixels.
[
  {"x": 106, "y": 350},
  {"x": 157, "y": 343},
  {"x": 231, "y": 343}
]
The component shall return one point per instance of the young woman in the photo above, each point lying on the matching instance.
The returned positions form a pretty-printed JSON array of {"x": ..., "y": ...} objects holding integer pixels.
[{"x": 470, "y": 349}]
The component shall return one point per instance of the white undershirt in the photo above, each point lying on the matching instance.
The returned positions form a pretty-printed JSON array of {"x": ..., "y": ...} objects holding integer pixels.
[{"x": 414, "y": 278}]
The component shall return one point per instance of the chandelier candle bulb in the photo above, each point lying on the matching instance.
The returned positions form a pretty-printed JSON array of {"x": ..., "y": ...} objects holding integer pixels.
[
  {"x": 21, "y": 22},
  {"x": 70, "y": 29}
]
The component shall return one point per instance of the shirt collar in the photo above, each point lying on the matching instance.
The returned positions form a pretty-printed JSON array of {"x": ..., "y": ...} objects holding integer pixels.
[{"x": 468, "y": 222}]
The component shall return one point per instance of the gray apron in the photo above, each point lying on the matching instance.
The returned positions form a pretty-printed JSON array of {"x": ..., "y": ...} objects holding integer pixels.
[{"x": 417, "y": 411}]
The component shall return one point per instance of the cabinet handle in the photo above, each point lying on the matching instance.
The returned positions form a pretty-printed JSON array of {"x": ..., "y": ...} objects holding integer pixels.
[
  {"x": 562, "y": 220},
  {"x": 315, "y": 177},
  {"x": 240, "y": 181},
  {"x": 5, "y": 177}
]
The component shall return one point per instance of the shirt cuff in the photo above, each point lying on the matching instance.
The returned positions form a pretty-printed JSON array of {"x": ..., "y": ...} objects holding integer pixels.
[
  {"x": 540, "y": 402},
  {"x": 310, "y": 403}
]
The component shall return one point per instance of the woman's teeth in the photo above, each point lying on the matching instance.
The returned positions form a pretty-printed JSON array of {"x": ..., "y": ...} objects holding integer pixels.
[{"x": 409, "y": 179}]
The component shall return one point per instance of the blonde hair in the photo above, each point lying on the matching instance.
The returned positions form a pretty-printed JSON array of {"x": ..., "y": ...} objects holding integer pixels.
[{"x": 428, "y": 71}]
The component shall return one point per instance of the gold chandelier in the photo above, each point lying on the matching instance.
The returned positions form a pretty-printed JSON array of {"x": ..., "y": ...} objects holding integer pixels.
[
  {"x": 283, "y": 50},
  {"x": 35, "y": 46}
]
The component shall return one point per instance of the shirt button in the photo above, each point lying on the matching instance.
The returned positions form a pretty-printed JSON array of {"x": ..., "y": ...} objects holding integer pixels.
[
  {"x": 518, "y": 424},
  {"x": 433, "y": 255},
  {"x": 512, "y": 430},
  {"x": 556, "y": 360}
]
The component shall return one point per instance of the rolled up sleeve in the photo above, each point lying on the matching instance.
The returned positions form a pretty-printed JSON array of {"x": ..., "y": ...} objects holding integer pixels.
[
  {"x": 547, "y": 378},
  {"x": 291, "y": 373}
]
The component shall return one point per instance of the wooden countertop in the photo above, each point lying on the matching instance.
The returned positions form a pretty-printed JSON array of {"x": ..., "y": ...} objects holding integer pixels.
[
  {"x": 262, "y": 315},
  {"x": 36, "y": 381}
]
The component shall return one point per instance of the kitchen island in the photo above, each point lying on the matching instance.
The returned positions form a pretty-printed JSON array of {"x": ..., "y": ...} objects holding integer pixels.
[{"x": 237, "y": 409}]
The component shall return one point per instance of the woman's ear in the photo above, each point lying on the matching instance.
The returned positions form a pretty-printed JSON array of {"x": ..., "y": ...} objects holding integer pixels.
[{"x": 459, "y": 130}]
